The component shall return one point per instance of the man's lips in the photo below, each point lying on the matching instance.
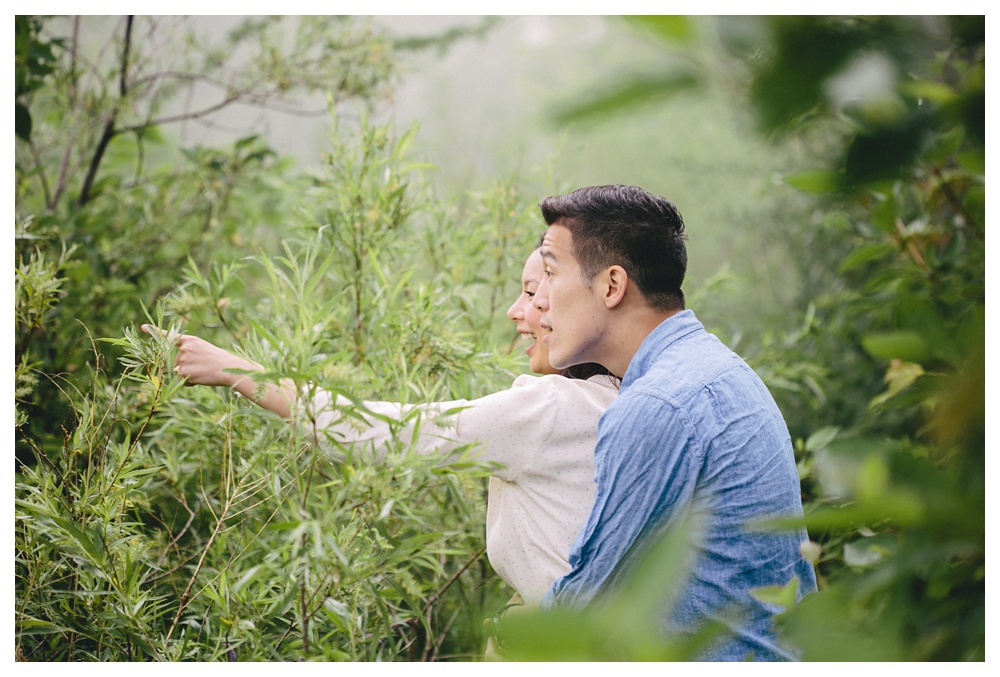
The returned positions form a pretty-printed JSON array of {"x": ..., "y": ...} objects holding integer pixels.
[{"x": 546, "y": 332}]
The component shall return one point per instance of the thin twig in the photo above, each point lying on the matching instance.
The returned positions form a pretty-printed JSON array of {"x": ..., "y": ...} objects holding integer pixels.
[{"x": 433, "y": 598}]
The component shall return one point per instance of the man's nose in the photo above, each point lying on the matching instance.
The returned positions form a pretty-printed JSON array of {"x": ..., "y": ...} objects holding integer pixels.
[{"x": 541, "y": 298}]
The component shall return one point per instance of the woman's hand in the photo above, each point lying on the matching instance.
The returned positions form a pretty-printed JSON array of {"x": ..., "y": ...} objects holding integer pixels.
[{"x": 204, "y": 364}]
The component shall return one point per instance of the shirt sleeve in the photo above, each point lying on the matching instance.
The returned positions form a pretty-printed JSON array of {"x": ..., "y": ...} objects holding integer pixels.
[
  {"x": 508, "y": 427},
  {"x": 644, "y": 459}
]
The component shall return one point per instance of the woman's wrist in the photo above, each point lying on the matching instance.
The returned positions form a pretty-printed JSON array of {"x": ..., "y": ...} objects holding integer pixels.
[{"x": 233, "y": 373}]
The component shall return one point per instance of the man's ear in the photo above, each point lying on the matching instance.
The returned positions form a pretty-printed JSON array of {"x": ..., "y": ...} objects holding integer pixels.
[{"x": 617, "y": 281}]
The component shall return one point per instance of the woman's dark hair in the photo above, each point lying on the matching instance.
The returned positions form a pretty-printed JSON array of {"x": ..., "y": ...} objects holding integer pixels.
[
  {"x": 628, "y": 227},
  {"x": 586, "y": 370}
]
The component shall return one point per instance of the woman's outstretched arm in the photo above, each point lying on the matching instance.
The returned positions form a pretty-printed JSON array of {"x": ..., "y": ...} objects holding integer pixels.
[
  {"x": 205, "y": 364},
  {"x": 509, "y": 424}
]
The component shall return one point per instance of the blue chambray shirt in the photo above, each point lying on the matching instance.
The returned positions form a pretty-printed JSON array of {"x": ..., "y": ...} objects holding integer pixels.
[{"x": 694, "y": 425}]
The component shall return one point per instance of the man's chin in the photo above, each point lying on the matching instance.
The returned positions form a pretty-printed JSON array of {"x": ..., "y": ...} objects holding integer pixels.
[
  {"x": 558, "y": 363},
  {"x": 556, "y": 359}
]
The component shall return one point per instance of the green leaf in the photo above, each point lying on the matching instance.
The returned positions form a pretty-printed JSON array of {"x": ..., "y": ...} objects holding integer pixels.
[
  {"x": 897, "y": 345},
  {"x": 872, "y": 479},
  {"x": 837, "y": 221},
  {"x": 886, "y": 215},
  {"x": 973, "y": 161},
  {"x": 556, "y": 635},
  {"x": 821, "y": 438},
  {"x": 900, "y": 508},
  {"x": 937, "y": 92},
  {"x": 868, "y": 252},
  {"x": 898, "y": 377},
  {"x": 826, "y": 626},
  {"x": 33, "y": 626},
  {"x": 674, "y": 28},
  {"x": 780, "y": 595},
  {"x": 632, "y": 93},
  {"x": 818, "y": 181},
  {"x": 82, "y": 536},
  {"x": 139, "y": 472}
]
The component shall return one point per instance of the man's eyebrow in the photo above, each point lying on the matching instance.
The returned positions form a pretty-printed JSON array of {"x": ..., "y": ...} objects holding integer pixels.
[{"x": 547, "y": 253}]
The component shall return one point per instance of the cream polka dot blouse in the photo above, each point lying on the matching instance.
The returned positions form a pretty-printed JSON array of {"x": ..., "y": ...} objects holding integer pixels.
[{"x": 540, "y": 433}]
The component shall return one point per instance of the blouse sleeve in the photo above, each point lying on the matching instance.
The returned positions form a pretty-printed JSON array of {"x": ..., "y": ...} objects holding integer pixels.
[{"x": 507, "y": 428}]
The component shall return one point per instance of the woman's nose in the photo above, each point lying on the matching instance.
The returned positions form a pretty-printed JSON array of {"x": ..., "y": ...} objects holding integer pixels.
[{"x": 516, "y": 311}]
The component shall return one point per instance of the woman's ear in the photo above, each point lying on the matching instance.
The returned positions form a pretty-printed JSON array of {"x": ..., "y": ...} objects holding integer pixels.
[{"x": 617, "y": 282}]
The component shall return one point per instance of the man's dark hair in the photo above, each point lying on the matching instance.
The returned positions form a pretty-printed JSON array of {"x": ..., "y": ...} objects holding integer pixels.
[{"x": 626, "y": 226}]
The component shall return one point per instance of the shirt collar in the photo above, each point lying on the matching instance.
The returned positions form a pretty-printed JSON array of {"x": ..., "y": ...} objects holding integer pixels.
[{"x": 666, "y": 333}]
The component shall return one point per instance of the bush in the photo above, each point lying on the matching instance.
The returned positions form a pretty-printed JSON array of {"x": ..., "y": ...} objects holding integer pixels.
[{"x": 160, "y": 522}]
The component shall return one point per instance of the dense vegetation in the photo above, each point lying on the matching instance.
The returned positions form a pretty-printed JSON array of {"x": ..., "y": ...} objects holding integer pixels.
[
  {"x": 157, "y": 522},
  {"x": 882, "y": 382}
]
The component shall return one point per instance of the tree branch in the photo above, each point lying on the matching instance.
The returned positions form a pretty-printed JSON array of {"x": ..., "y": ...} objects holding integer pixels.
[
  {"x": 109, "y": 126},
  {"x": 73, "y": 100}
]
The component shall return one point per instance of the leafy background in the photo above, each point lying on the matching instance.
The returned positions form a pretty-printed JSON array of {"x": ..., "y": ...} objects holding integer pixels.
[{"x": 832, "y": 174}]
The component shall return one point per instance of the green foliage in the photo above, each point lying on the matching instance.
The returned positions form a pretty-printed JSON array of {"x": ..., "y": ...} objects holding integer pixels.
[
  {"x": 158, "y": 522},
  {"x": 897, "y": 484},
  {"x": 882, "y": 379},
  {"x": 238, "y": 536},
  {"x": 625, "y": 626},
  {"x": 220, "y": 533},
  {"x": 120, "y": 208},
  {"x": 894, "y": 476},
  {"x": 34, "y": 59}
]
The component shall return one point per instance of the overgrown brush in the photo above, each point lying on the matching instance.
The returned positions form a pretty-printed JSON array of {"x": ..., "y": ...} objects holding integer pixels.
[{"x": 181, "y": 523}]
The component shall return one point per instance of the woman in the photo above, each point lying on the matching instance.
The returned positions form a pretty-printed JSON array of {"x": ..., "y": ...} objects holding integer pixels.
[{"x": 540, "y": 432}]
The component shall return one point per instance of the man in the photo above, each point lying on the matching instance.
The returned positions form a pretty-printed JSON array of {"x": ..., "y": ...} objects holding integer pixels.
[{"x": 694, "y": 428}]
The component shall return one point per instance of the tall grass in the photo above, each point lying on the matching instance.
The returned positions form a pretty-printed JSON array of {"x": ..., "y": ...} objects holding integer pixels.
[{"x": 179, "y": 523}]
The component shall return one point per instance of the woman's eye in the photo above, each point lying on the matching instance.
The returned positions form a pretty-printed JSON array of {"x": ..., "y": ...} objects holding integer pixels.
[{"x": 529, "y": 294}]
